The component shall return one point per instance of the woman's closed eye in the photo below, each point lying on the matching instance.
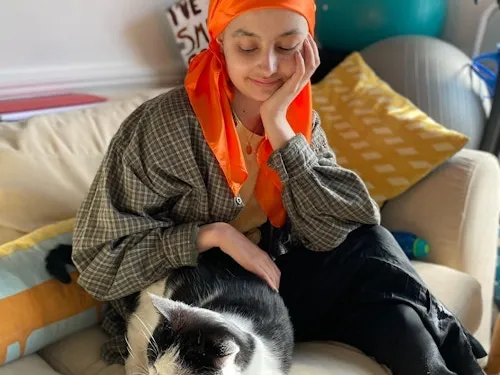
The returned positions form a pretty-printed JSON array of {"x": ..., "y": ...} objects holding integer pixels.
[
  {"x": 247, "y": 50},
  {"x": 281, "y": 49},
  {"x": 288, "y": 49}
]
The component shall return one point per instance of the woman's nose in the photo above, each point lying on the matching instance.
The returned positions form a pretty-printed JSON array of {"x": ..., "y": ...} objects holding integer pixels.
[{"x": 268, "y": 63}]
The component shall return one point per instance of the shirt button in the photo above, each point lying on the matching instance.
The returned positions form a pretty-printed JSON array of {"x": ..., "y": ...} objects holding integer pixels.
[{"x": 238, "y": 201}]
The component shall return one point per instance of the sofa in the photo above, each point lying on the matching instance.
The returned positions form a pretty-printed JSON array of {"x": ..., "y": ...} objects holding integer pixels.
[{"x": 455, "y": 208}]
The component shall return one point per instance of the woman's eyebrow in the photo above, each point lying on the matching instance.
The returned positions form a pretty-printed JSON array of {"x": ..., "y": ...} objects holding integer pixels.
[{"x": 242, "y": 32}]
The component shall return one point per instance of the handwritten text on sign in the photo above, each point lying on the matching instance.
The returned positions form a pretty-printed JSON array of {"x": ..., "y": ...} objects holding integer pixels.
[{"x": 188, "y": 19}]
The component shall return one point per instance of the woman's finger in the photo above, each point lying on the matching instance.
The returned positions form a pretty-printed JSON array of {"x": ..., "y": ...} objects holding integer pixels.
[
  {"x": 267, "y": 265},
  {"x": 266, "y": 277},
  {"x": 317, "y": 59},
  {"x": 300, "y": 66},
  {"x": 271, "y": 273},
  {"x": 309, "y": 57},
  {"x": 274, "y": 272},
  {"x": 297, "y": 80}
]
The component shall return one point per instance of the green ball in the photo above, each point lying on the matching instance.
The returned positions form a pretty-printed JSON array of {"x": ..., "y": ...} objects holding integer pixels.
[
  {"x": 420, "y": 248},
  {"x": 354, "y": 24}
]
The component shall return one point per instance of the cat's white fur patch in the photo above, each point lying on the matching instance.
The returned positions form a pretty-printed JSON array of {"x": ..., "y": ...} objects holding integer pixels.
[
  {"x": 168, "y": 364},
  {"x": 140, "y": 328},
  {"x": 264, "y": 361}
]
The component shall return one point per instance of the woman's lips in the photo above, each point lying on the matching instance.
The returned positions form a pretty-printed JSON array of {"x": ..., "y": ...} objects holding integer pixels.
[{"x": 265, "y": 83}]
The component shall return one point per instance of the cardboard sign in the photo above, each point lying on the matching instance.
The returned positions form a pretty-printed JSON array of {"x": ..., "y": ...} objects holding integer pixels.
[{"x": 188, "y": 20}]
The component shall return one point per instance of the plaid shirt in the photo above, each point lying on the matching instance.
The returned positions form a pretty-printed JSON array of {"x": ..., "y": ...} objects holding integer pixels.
[{"x": 159, "y": 182}]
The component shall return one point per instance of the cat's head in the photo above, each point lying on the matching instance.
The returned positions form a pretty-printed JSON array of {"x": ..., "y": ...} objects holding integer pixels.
[{"x": 196, "y": 341}]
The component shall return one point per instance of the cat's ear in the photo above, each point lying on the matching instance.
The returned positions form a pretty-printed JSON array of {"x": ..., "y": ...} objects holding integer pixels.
[
  {"x": 227, "y": 352},
  {"x": 164, "y": 306}
]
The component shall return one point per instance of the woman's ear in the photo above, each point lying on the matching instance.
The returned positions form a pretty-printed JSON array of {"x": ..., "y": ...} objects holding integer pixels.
[{"x": 220, "y": 41}]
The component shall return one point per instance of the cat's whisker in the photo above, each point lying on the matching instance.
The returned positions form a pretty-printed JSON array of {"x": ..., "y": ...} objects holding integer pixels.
[
  {"x": 154, "y": 351},
  {"x": 156, "y": 348},
  {"x": 148, "y": 333},
  {"x": 142, "y": 369},
  {"x": 121, "y": 354},
  {"x": 149, "y": 330},
  {"x": 129, "y": 347}
]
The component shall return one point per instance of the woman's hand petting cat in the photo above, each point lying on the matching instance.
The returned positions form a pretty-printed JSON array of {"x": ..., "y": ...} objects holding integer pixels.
[
  {"x": 273, "y": 111},
  {"x": 248, "y": 255},
  {"x": 241, "y": 249},
  {"x": 251, "y": 257}
]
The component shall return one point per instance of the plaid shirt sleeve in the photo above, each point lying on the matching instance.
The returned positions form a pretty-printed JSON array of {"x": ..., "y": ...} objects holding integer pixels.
[
  {"x": 123, "y": 240},
  {"x": 324, "y": 201}
]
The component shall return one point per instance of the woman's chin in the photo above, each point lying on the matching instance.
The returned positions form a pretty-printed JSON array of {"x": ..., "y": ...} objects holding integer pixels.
[
  {"x": 254, "y": 92},
  {"x": 260, "y": 94}
]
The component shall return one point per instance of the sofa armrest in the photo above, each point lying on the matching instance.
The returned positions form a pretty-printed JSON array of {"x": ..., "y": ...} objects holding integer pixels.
[{"x": 456, "y": 210}]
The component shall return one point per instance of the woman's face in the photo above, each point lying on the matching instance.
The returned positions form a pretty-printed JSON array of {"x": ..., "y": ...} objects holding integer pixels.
[{"x": 259, "y": 49}]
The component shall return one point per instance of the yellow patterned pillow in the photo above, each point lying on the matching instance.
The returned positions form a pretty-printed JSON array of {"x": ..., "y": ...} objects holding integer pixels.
[{"x": 378, "y": 133}]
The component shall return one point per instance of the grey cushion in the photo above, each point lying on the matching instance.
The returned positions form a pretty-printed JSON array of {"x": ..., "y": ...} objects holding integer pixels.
[{"x": 436, "y": 76}]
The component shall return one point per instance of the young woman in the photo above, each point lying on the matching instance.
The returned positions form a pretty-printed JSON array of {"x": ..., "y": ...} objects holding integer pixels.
[{"x": 236, "y": 159}]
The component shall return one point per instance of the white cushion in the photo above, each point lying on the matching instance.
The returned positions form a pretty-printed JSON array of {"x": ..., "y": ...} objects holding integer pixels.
[
  {"x": 79, "y": 355},
  {"x": 332, "y": 358},
  {"x": 47, "y": 163},
  {"x": 31, "y": 364},
  {"x": 458, "y": 291}
]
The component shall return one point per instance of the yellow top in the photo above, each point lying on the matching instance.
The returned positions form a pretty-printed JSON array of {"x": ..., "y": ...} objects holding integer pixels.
[{"x": 252, "y": 216}]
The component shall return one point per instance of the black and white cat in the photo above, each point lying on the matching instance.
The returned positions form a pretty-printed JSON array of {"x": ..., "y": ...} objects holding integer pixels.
[{"x": 213, "y": 319}]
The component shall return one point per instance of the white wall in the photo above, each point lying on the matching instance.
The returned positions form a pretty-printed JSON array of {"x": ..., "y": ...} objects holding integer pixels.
[
  {"x": 57, "y": 44},
  {"x": 462, "y": 22},
  {"x": 53, "y": 44}
]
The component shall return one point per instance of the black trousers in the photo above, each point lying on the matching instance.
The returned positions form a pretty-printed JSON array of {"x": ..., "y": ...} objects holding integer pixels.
[{"x": 366, "y": 294}]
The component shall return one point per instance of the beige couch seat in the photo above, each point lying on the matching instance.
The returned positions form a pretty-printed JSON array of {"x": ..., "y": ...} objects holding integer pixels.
[
  {"x": 456, "y": 209},
  {"x": 79, "y": 354},
  {"x": 30, "y": 365}
]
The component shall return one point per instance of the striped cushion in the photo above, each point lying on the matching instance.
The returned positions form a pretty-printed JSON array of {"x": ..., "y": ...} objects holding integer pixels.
[{"x": 37, "y": 310}]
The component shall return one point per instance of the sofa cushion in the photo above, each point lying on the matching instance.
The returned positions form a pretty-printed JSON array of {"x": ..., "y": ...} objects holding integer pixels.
[
  {"x": 47, "y": 163},
  {"x": 30, "y": 365},
  {"x": 38, "y": 310},
  {"x": 458, "y": 291},
  {"x": 79, "y": 355},
  {"x": 379, "y": 133}
]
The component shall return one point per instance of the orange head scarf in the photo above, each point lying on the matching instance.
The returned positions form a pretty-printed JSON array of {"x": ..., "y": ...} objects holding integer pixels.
[{"x": 208, "y": 87}]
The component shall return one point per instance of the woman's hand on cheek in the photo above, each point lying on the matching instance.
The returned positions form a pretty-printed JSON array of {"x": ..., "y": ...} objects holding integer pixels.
[{"x": 274, "y": 109}]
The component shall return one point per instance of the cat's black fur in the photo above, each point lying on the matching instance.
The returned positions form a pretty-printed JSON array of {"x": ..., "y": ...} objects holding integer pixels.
[{"x": 57, "y": 261}]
